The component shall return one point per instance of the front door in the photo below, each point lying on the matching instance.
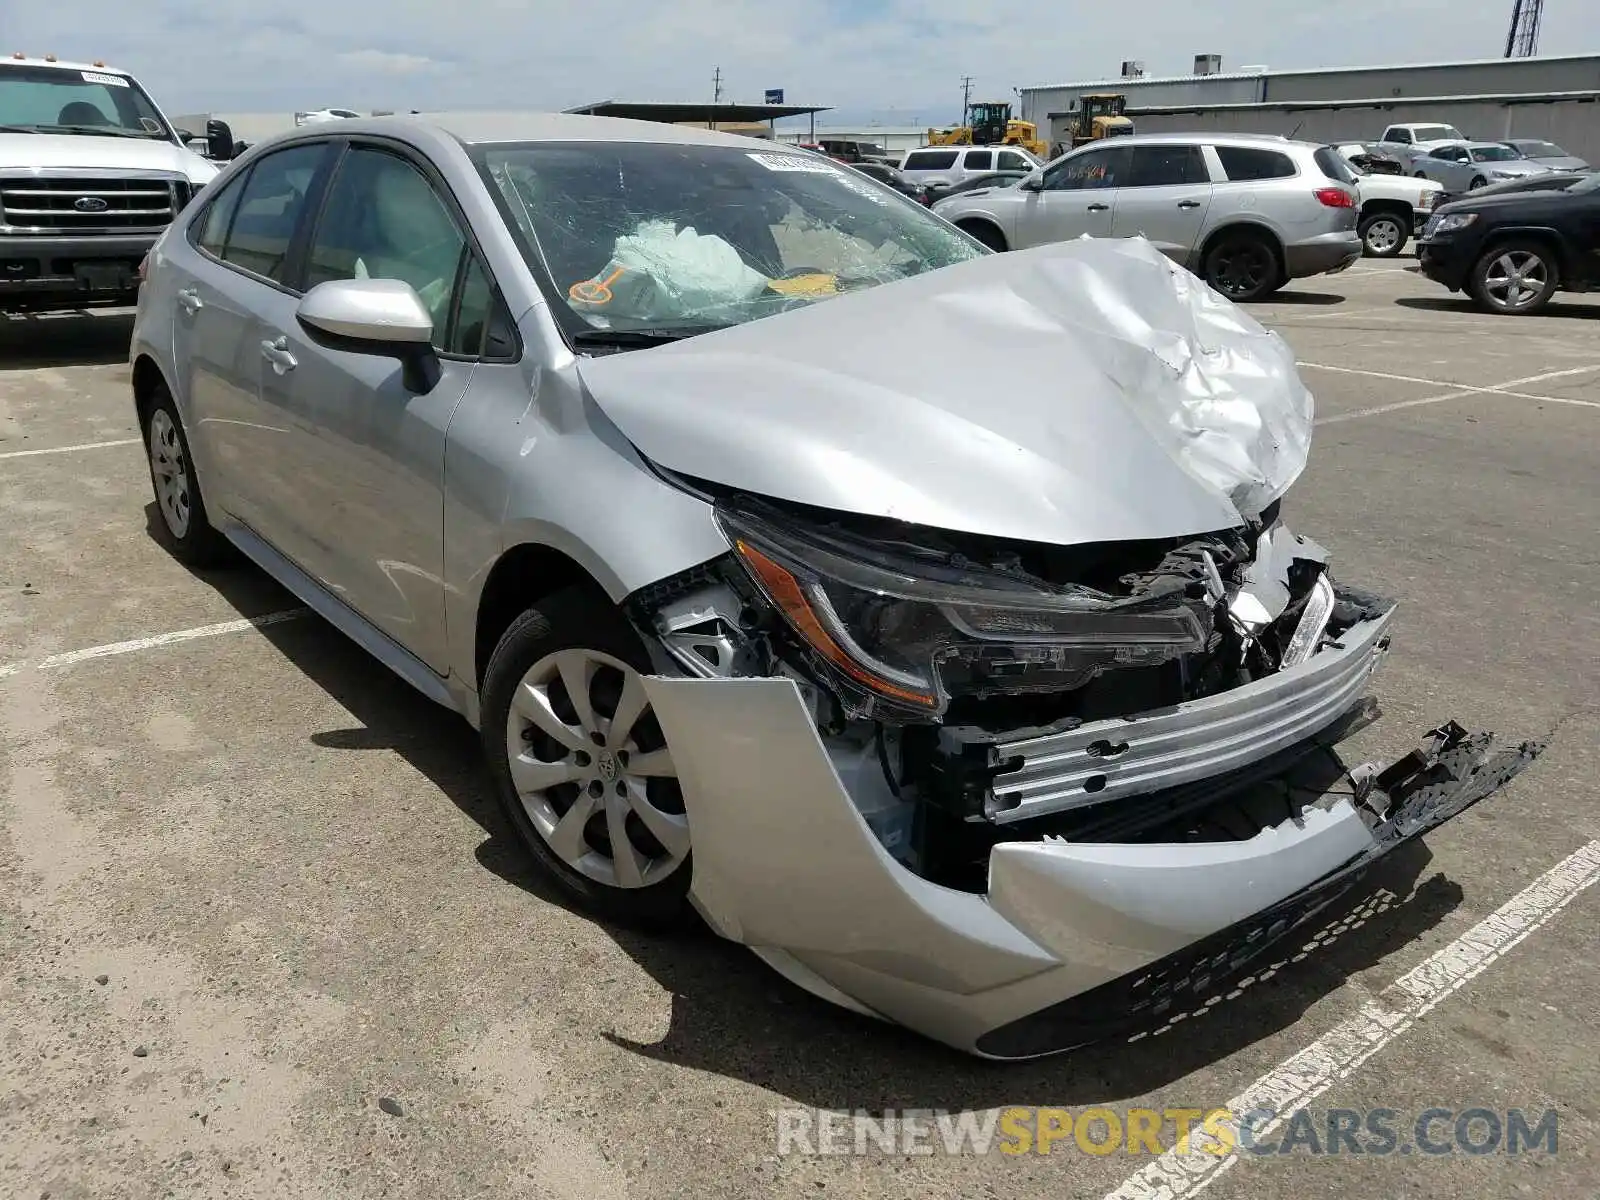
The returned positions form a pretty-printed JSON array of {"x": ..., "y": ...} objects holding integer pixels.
[
  {"x": 367, "y": 515},
  {"x": 1165, "y": 198},
  {"x": 1077, "y": 198}
]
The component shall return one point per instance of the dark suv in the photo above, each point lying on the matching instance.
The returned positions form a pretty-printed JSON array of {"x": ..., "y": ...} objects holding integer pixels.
[{"x": 1513, "y": 252}]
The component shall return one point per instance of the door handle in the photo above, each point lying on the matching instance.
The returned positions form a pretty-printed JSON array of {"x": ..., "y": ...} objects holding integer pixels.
[
  {"x": 277, "y": 353},
  {"x": 190, "y": 299},
  {"x": 1188, "y": 204},
  {"x": 1099, "y": 208}
]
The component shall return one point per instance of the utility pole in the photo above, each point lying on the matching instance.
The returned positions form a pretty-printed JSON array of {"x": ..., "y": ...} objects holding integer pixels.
[
  {"x": 966, "y": 98},
  {"x": 716, "y": 86}
]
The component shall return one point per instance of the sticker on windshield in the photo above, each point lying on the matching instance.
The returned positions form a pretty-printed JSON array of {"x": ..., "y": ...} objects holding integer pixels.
[
  {"x": 796, "y": 162},
  {"x": 108, "y": 80}
]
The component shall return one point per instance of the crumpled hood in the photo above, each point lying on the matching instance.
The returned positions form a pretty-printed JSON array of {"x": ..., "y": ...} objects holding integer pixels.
[
  {"x": 60, "y": 151},
  {"x": 1078, "y": 392}
]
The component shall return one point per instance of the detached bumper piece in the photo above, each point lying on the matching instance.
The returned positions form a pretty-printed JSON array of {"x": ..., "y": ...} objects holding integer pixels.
[{"x": 1450, "y": 772}]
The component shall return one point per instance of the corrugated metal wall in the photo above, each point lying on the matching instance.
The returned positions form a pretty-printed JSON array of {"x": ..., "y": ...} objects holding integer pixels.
[
  {"x": 1572, "y": 124},
  {"x": 1506, "y": 77}
]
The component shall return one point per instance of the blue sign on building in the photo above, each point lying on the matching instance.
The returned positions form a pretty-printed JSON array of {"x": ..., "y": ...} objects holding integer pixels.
[{"x": 774, "y": 95}]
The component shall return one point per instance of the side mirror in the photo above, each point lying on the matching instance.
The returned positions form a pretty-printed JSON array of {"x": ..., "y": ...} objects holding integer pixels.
[
  {"x": 375, "y": 316},
  {"x": 219, "y": 141},
  {"x": 1033, "y": 183}
]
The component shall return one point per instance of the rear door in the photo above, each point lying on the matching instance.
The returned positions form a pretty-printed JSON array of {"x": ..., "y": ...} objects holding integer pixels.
[
  {"x": 976, "y": 162},
  {"x": 243, "y": 245},
  {"x": 1165, "y": 198},
  {"x": 1076, "y": 199}
]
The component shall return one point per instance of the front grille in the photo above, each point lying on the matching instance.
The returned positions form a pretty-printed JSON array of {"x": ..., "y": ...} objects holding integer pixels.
[{"x": 75, "y": 204}]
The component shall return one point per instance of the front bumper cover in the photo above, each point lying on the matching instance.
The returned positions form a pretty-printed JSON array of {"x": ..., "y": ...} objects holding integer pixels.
[{"x": 1074, "y": 941}]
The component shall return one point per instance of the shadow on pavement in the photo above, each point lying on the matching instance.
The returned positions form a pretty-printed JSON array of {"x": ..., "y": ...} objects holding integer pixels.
[
  {"x": 1460, "y": 304},
  {"x": 65, "y": 339},
  {"x": 1319, "y": 299},
  {"x": 734, "y": 1017}
]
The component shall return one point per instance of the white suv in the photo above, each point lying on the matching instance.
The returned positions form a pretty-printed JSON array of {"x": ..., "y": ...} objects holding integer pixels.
[
  {"x": 91, "y": 173},
  {"x": 933, "y": 165},
  {"x": 1246, "y": 212}
]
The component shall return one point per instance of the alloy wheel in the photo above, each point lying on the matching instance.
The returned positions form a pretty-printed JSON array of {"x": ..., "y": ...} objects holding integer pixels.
[
  {"x": 1515, "y": 279},
  {"x": 1242, "y": 268},
  {"x": 1384, "y": 235},
  {"x": 593, "y": 772},
  {"x": 170, "y": 470}
]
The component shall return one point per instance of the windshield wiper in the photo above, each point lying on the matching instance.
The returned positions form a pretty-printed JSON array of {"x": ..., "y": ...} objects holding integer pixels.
[
  {"x": 94, "y": 130},
  {"x": 628, "y": 339},
  {"x": 20, "y": 129}
]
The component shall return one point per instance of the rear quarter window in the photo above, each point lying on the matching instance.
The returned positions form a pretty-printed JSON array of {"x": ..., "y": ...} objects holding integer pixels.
[
  {"x": 1249, "y": 162},
  {"x": 1333, "y": 165},
  {"x": 936, "y": 160}
]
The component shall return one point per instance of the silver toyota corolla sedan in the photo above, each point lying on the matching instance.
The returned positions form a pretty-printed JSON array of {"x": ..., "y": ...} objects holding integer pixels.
[{"x": 995, "y": 701}]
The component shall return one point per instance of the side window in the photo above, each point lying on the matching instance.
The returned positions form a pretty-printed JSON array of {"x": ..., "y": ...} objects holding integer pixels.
[
  {"x": 979, "y": 160},
  {"x": 270, "y": 205},
  {"x": 1167, "y": 166},
  {"x": 1248, "y": 162},
  {"x": 481, "y": 324},
  {"x": 1397, "y": 134},
  {"x": 937, "y": 160},
  {"x": 383, "y": 220},
  {"x": 1106, "y": 168},
  {"x": 210, "y": 229},
  {"x": 1010, "y": 160}
]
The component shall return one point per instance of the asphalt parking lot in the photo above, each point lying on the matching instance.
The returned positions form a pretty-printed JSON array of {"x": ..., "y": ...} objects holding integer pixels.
[{"x": 251, "y": 885}]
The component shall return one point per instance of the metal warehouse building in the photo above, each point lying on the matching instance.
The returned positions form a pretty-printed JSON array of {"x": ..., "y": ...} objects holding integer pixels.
[{"x": 1553, "y": 97}]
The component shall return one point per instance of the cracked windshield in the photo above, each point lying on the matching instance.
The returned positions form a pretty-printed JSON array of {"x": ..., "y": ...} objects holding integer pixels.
[{"x": 664, "y": 238}]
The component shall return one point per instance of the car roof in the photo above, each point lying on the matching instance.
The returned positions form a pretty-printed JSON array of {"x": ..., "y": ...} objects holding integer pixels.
[
  {"x": 488, "y": 128},
  {"x": 12, "y": 60}
]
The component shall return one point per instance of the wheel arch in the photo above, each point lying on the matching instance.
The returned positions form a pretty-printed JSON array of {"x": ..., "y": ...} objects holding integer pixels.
[
  {"x": 148, "y": 379},
  {"x": 1542, "y": 234},
  {"x": 523, "y": 575},
  {"x": 1387, "y": 205},
  {"x": 968, "y": 224},
  {"x": 1258, "y": 228}
]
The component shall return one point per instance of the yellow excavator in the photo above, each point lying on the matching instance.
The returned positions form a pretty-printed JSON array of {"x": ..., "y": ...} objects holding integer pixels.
[
  {"x": 1100, "y": 116},
  {"x": 990, "y": 123}
]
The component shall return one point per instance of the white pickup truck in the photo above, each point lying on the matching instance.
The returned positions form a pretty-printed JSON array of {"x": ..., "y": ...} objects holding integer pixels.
[
  {"x": 91, "y": 172},
  {"x": 1394, "y": 208}
]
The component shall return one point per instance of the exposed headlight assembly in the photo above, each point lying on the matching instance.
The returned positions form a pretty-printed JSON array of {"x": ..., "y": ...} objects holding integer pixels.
[
  {"x": 1451, "y": 222},
  {"x": 903, "y": 635}
]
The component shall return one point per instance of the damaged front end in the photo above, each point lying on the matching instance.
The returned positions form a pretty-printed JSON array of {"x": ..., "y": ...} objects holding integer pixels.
[{"x": 967, "y": 785}]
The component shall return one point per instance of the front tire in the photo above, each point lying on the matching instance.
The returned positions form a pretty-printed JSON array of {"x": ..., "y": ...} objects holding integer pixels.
[
  {"x": 1515, "y": 278},
  {"x": 581, "y": 767},
  {"x": 1384, "y": 234},
  {"x": 181, "y": 524},
  {"x": 1477, "y": 182}
]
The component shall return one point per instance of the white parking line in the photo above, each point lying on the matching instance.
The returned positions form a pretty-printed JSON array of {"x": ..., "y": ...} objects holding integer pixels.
[
  {"x": 72, "y": 657},
  {"x": 1298, "y": 1080},
  {"x": 1457, "y": 391},
  {"x": 70, "y": 449}
]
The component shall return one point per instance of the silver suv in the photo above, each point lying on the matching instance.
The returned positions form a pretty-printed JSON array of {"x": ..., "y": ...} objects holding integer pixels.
[
  {"x": 1246, "y": 213},
  {"x": 975, "y": 705}
]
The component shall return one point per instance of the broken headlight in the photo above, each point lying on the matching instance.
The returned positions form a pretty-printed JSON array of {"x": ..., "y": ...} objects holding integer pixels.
[{"x": 902, "y": 633}]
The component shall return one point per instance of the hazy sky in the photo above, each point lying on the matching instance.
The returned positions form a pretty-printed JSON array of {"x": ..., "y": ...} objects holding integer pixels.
[{"x": 890, "y": 60}]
